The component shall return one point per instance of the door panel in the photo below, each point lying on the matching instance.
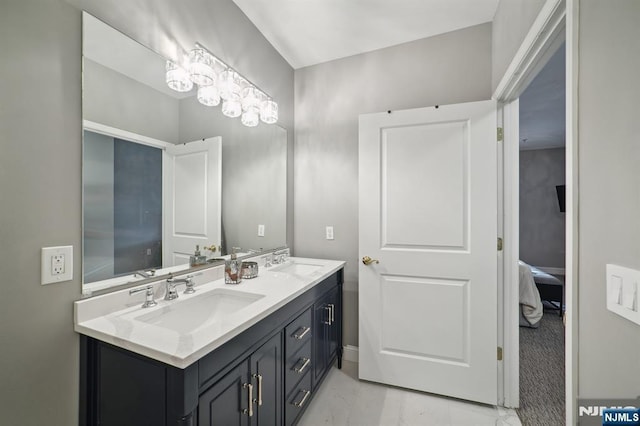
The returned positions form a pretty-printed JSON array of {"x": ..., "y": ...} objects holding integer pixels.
[
  {"x": 440, "y": 168},
  {"x": 428, "y": 214},
  {"x": 421, "y": 299},
  {"x": 192, "y": 187}
]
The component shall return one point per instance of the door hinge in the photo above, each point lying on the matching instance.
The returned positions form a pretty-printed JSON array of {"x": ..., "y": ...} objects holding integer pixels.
[
  {"x": 499, "y": 244},
  {"x": 499, "y": 353},
  {"x": 500, "y": 134}
]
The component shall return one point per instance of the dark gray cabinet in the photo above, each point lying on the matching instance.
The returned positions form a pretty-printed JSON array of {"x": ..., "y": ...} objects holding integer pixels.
[
  {"x": 328, "y": 333},
  {"x": 281, "y": 360},
  {"x": 249, "y": 394}
]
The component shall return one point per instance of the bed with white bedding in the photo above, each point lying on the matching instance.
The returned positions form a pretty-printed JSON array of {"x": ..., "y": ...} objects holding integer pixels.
[{"x": 530, "y": 303}]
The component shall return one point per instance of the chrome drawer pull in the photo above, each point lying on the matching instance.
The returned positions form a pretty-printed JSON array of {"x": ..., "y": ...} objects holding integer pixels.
[
  {"x": 300, "y": 336},
  {"x": 328, "y": 321},
  {"x": 304, "y": 398},
  {"x": 333, "y": 312},
  {"x": 249, "y": 411},
  {"x": 305, "y": 364},
  {"x": 259, "y": 377}
]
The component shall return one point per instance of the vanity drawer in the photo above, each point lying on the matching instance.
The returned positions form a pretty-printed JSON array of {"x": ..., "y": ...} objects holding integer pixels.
[
  {"x": 298, "y": 400},
  {"x": 298, "y": 332},
  {"x": 296, "y": 366}
]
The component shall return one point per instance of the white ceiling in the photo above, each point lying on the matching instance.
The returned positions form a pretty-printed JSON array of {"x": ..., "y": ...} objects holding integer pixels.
[
  {"x": 542, "y": 107},
  {"x": 308, "y": 32}
]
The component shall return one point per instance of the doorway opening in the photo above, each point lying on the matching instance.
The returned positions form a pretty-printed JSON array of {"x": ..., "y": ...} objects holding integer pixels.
[{"x": 542, "y": 230}]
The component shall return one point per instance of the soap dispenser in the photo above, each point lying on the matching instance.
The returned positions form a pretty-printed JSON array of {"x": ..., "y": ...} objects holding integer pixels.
[
  {"x": 233, "y": 269},
  {"x": 197, "y": 259}
]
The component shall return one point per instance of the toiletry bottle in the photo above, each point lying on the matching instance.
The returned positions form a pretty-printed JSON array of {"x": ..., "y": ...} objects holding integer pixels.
[
  {"x": 197, "y": 259},
  {"x": 233, "y": 270}
]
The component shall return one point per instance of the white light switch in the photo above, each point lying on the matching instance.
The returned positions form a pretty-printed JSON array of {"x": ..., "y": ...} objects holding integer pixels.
[
  {"x": 329, "y": 232},
  {"x": 260, "y": 230},
  {"x": 629, "y": 291},
  {"x": 622, "y": 292},
  {"x": 57, "y": 264}
]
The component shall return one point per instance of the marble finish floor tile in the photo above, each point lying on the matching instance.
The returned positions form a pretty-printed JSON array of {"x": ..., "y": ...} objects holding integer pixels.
[{"x": 343, "y": 400}]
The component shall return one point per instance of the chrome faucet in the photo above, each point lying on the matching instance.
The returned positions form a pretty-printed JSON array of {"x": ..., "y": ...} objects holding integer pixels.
[
  {"x": 280, "y": 255},
  {"x": 149, "y": 300},
  {"x": 171, "y": 293},
  {"x": 148, "y": 273}
]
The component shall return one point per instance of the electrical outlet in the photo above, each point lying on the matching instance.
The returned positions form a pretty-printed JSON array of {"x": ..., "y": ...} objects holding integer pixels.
[
  {"x": 329, "y": 231},
  {"x": 260, "y": 230},
  {"x": 57, "y": 264}
]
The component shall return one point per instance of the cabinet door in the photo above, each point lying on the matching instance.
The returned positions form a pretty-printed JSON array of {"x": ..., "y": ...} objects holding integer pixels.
[
  {"x": 321, "y": 317},
  {"x": 333, "y": 328},
  {"x": 327, "y": 321},
  {"x": 266, "y": 376},
  {"x": 226, "y": 402}
]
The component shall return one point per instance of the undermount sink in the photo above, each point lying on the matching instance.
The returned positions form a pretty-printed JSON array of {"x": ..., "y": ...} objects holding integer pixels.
[
  {"x": 298, "y": 268},
  {"x": 189, "y": 315}
]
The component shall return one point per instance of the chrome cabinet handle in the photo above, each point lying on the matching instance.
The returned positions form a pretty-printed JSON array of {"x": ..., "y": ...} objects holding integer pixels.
[
  {"x": 328, "y": 321},
  {"x": 304, "y": 365},
  {"x": 304, "y": 398},
  {"x": 259, "y": 377},
  {"x": 249, "y": 411},
  {"x": 300, "y": 336},
  {"x": 333, "y": 310}
]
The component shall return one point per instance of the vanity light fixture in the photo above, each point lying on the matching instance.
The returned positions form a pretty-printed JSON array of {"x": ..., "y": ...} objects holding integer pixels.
[
  {"x": 201, "y": 67},
  {"x": 177, "y": 78},
  {"x": 218, "y": 82},
  {"x": 269, "y": 111},
  {"x": 209, "y": 95}
]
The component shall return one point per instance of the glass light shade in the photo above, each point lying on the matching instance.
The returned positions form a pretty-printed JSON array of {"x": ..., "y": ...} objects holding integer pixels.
[
  {"x": 251, "y": 98},
  {"x": 201, "y": 67},
  {"x": 269, "y": 112},
  {"x": 229, "y": 85},
  {"x": 177, "y": 78},
  {"x": 208, "y": 95},
  {"x": 251, "y": 117},
  {"x": 231, "y": 108}
]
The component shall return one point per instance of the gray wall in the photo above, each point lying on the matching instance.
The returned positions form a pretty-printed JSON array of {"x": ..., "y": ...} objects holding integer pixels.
[
  {"x": 609, "y": 224},
  {"x": 511, "y": 24},
  {"x": 40, "y": 172},
  {"x": 40, "y": 168},
  {"x": 446, "y": 69},
  {"x": 254, "y": 175},
  {"x": 542, "y": 225},
  {"x": 118, "y": 101}
]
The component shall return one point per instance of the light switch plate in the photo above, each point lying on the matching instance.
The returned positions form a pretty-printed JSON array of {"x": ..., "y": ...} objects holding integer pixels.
[
  {"x": 329, "y": 232},
  {"x": 622, "y": 292},
  {"x": 260, "y": 230},
  {"x": 57, "y": 264}
]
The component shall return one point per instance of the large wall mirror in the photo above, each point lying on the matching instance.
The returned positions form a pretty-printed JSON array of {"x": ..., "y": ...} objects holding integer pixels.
[{"x": 163, "y": 173}]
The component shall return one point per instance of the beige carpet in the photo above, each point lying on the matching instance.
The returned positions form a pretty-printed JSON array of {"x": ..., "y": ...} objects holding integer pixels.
[{"x": 542, "y": 372}]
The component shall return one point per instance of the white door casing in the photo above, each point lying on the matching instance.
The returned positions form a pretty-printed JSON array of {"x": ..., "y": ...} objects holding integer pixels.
[
  {"x": 428, "y": 214},
  {"x": 192, "y": 194}
]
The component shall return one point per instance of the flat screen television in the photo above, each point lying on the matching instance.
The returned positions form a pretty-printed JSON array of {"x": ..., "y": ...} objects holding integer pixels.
[{"x": 561, "y": 197}]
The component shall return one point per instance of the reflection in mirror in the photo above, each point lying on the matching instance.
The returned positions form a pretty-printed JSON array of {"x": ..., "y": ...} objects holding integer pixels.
[{"x": 163, "y": 174}]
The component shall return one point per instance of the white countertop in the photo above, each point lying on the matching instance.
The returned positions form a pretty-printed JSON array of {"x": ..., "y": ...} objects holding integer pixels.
[{"x": 115, "y": 317}]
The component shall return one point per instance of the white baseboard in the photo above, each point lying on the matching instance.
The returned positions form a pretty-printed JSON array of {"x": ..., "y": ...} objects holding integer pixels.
[{"x": 350, "y": 353}]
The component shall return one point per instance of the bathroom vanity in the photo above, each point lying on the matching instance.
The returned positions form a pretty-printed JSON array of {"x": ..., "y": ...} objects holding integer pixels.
[{"x": 251, "y": 354}]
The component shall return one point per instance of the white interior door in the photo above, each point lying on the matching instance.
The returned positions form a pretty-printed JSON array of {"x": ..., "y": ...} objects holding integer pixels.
[
  {"x": 192, "y": 193},
  {"x": 428, "y": 214}
]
